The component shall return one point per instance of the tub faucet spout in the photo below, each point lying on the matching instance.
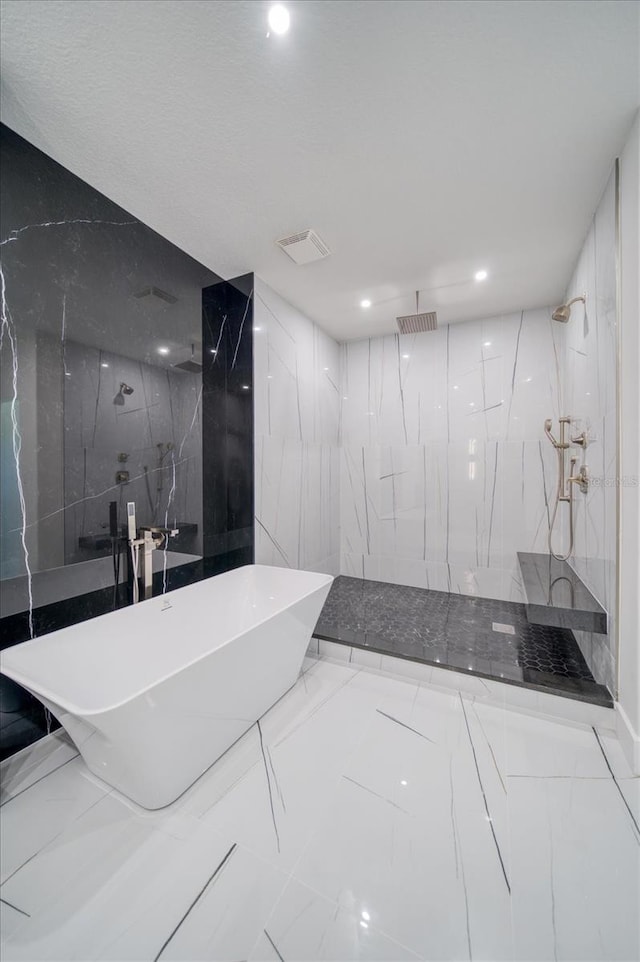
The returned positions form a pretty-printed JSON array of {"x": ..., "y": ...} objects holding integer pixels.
[{"x": 149, "y": 538}]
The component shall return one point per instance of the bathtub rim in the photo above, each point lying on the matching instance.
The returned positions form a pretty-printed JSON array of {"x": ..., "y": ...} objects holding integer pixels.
[{"x": 68, "y": 706}]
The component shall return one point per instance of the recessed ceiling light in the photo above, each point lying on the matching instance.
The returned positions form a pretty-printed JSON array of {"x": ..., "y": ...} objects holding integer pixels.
[
  {"x": 365, "y": 303},
  {"x": 481, "y": 275},
  {"x": 279, "y": 19},
  {"x": 406, "y": 357},
  {"x": 365, "y": 925},
  {"x": 245, "y": 387},
  {"x": 487, "y": 344},
  {"x": 213, "y": 350},
  {"x": 365, "y": 914},
  {"x": 257, "y": 328},
  {"x": 163, "y": 350},
  {"x": 104, "y": 364},
  {"x": 455, "y": 387}
]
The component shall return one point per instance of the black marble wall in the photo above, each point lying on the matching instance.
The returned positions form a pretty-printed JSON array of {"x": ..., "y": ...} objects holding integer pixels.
[
  {"x": 227, "y": 411},
  {"x": 93, "y": 299}
]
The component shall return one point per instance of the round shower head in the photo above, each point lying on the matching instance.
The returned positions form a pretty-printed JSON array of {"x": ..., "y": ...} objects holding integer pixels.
[{"x": 563, "y": 312}]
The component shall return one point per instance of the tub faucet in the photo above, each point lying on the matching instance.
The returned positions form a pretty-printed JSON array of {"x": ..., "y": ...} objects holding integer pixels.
[{"x": 149, "y": 538}]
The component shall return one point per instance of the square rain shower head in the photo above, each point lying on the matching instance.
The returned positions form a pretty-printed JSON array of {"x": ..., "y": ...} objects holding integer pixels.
[{"x": 418, "y": 323}]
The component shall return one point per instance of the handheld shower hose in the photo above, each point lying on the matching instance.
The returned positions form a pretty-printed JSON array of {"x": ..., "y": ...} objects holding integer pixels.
[
  {"x": 561, "y": 497},
  {"x": 564, "y": 491}
]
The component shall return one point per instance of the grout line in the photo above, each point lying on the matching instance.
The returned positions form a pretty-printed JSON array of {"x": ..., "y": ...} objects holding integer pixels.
[
  {"x": 56, "y": 836},
  {"x": 615, "y": 782},
  {"x": 320, "y": 704},
  {"x": 573, "y": 778},
  {"x": 486, "y": 806},
  {"x": 46, "y": 775},
  {"x": 196, "y": 900}
]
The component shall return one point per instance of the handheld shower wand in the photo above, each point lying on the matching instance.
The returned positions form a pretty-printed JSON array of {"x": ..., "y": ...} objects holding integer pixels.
[{"x": 564, "y": 493}]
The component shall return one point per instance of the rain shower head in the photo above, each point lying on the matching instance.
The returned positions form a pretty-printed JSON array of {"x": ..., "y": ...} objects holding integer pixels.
[
  {"x": 191, "y": 366},
  {"x": 419, "y": 322},
  {"x": 563, "y": 312}
]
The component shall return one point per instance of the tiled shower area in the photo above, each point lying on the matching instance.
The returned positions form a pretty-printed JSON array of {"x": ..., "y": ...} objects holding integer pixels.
[{"x": 416, "y": 469}]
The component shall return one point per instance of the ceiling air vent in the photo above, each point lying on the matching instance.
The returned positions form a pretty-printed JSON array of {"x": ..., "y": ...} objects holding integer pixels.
[{"x": 305, "y": 247}]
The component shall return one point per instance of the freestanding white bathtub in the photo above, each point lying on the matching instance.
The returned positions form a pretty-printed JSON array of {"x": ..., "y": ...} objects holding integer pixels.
[{"x": 154, "y": 693}]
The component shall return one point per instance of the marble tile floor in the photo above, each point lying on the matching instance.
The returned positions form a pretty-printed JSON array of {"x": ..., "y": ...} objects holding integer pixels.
[
  {"x": 486, "y": 637},
  {"x": 368, "y": 816}
]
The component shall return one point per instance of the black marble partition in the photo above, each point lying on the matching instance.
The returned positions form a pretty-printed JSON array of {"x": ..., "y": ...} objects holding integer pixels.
[
  {"x": 227, "y": 412},
  {"x": 110, "y": 392}
]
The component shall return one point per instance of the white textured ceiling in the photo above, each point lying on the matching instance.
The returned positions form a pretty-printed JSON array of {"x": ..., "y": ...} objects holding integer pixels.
[{"x": 422, "y": 140}]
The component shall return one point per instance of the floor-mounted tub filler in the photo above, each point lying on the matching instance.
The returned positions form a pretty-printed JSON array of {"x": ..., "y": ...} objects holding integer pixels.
[{"x": 155, "y": 693}]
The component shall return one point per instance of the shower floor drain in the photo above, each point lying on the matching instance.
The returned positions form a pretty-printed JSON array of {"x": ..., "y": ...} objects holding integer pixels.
[{"x": 505, "y": 629}]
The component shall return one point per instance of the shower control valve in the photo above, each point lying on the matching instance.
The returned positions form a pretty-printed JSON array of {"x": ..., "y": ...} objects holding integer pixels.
[{"x": 581, "y": 478}]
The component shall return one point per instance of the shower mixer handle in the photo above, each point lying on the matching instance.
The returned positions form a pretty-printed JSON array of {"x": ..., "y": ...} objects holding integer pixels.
[{"x": 581, "y": 478}]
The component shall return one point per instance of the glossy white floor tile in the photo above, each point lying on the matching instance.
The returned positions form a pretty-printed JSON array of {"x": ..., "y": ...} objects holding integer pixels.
[
  {"x": 366, "y": 817},
  {"x": 21, "y": 770}
]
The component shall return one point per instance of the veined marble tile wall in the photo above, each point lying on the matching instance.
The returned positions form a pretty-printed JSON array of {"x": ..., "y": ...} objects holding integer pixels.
[
  {"x": 590, "y": 398},
  {"x": 445, "y": 470},
  {"x": 297, "y": 465}
]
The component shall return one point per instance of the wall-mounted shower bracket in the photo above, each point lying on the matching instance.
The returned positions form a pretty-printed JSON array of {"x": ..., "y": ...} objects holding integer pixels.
[{"x": 564, "y": 490}]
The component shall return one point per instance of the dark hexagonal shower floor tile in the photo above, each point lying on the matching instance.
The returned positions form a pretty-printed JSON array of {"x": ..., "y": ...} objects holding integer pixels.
[{"x": 478, "y": 635}]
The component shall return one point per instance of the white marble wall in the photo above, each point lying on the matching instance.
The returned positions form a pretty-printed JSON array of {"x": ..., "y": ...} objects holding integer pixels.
[
  {"x": 446, "y": 472},
  {"x": 297, "y": 465},
  {"x": 590, "y": 398}
]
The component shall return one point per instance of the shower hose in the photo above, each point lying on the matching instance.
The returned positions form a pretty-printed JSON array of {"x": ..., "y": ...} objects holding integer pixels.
[{"x": 561, "y": 557}]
